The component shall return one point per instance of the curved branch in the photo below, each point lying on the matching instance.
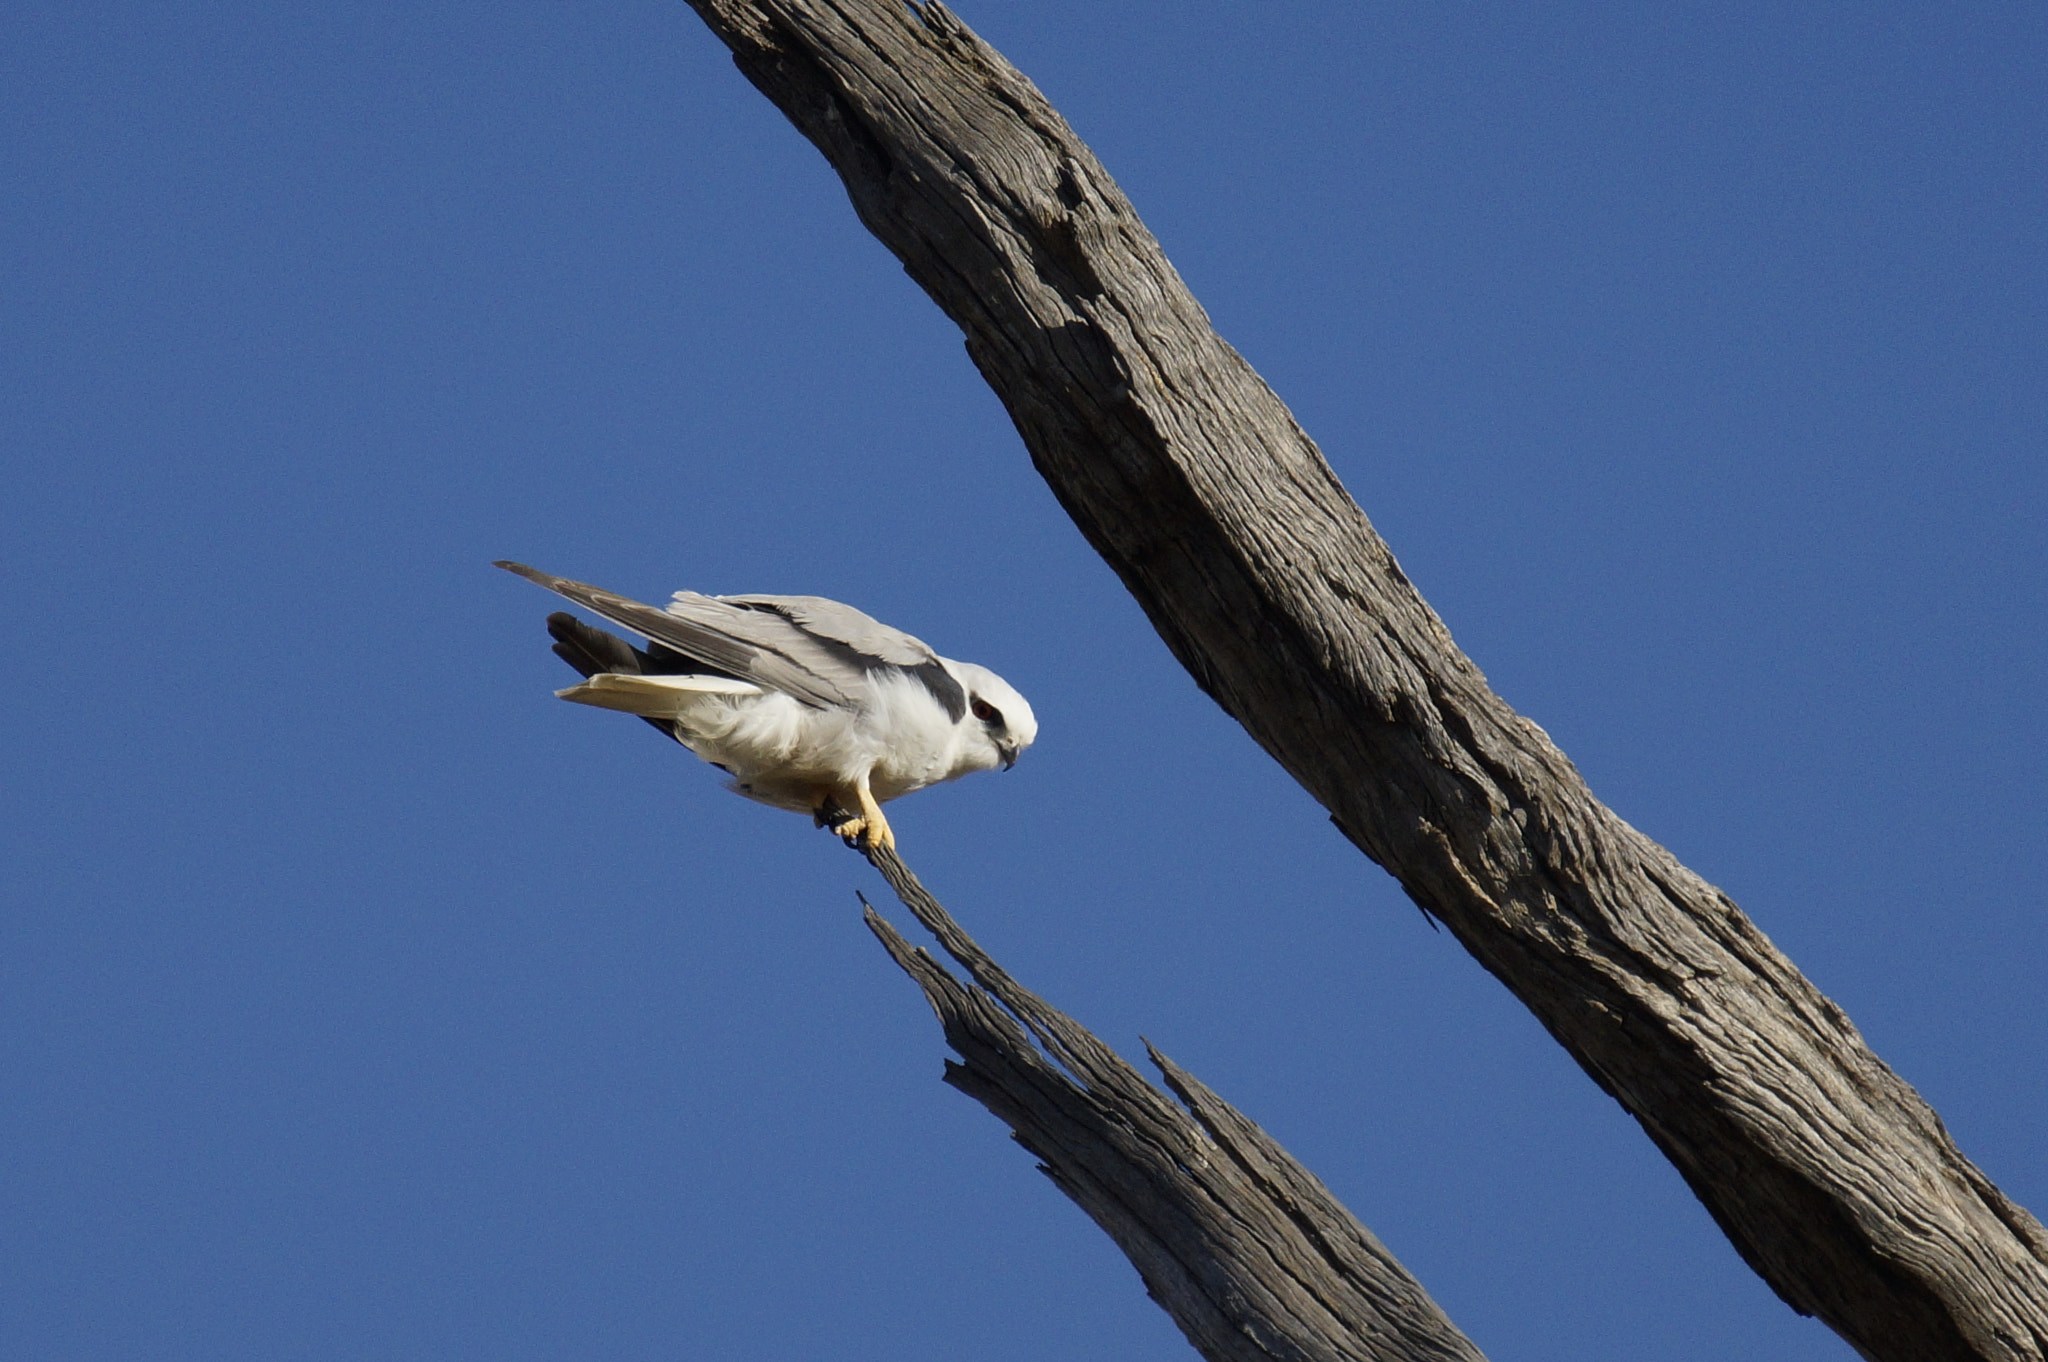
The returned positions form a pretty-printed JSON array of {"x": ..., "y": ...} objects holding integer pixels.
[{"x": 1830, "y": 1175}]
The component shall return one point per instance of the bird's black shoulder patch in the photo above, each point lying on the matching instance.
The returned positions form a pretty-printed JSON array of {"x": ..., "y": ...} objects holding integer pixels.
[{"x": 951, "y": 695}]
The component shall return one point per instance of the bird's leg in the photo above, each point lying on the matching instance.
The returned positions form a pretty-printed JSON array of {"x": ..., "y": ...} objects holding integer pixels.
[
  {"x": 880, "y": 834},
  {"x": 865, "y": 828}
]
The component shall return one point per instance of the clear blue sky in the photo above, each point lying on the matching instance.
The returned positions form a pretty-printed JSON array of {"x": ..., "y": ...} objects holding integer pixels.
[{"x": 360, "y": 1001}]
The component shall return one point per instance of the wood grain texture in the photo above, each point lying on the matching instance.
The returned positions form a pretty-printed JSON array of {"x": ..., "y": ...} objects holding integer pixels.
[
  {"x": 1242, "y": 1246},
  {"x": 1829, "y": 1174}
]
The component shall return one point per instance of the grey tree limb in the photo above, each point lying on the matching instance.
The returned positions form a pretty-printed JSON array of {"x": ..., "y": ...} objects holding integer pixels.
[
  {"x": 1829, "y": 1174},
  {"x": 1242, "y": 1246}
]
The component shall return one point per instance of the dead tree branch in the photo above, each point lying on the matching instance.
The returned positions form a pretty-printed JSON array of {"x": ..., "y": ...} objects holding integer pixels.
[
  {"x": 1830, "y": 1175},
  {"x": 1249, "y": 1253}
]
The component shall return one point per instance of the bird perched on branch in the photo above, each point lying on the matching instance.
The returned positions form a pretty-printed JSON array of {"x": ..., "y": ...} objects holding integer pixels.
[{"x": 806, "y": 703}]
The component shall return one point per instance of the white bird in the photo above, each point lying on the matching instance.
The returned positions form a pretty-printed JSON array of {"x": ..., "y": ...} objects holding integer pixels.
[{"x": 806, "y": 703}]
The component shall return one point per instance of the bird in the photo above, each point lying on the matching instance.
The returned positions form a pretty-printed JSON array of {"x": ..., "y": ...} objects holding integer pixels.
[{"x": 807, "y": 704}]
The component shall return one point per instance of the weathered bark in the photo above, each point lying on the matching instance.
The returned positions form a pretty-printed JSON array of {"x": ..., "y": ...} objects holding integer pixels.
[
  {"x": 1249, "y": 1253},
  {"x": 1830, "y": 1175}
]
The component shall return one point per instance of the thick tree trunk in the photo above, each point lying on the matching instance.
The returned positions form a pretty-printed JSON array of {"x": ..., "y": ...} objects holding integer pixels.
[
  {"x": 1831, "y": 1176},
  {"x": 1249, "y": 1253}
]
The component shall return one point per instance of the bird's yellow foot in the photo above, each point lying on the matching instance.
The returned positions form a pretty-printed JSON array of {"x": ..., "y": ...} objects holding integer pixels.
[
  {"x": 868, "y": 828},
  {"x": 858, "y": 831},
  {"x": 880, "y": 834},
  {"x": 849, "y": 828},
  {"x": 863, "y": 833}
]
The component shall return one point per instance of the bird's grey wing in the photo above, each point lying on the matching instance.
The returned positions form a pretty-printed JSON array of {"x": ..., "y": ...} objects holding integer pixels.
[
  {"x": 836, "y": 623},
  {"x": 845, "y": 641},
  {"x": 733, "y": 642}
]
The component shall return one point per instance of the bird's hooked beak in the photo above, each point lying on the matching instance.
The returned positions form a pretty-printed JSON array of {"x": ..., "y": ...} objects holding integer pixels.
[{"x": 1010, "y": 755}]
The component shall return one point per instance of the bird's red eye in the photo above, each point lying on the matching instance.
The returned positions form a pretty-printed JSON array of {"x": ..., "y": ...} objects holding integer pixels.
[{"x": 986, "y": 712}]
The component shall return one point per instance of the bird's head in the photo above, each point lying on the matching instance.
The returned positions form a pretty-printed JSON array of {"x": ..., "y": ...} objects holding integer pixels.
[{"x": 999, "y": 723}]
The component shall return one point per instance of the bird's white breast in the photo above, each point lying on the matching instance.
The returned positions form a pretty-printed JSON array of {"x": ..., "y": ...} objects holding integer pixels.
[{"x": 779, "y": 749}]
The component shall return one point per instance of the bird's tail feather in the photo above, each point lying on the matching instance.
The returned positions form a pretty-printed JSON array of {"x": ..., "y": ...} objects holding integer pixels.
[
  {"x": 593, "y": 652},
  {"x": 653, "y": 697}
]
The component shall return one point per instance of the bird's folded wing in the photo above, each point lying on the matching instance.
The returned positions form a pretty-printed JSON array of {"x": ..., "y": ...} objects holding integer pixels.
[
  {"x": 835, "y": 645},
  {"x": 653, "y": 697},
  {"x": 832, "y": 622},
  {"x": 756, "y": 645},
  {"x": 833, "y": 641}
]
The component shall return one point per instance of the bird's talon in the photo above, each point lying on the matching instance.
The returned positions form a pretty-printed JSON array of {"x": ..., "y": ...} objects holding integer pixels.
[{"x": 846, "y": 826}]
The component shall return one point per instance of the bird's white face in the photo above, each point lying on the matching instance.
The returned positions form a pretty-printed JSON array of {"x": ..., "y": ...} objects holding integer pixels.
[{"x": 999, "y": 723}]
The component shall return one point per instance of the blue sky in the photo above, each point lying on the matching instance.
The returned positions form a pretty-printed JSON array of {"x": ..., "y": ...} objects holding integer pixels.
[{"x": 360, "y": 1001}]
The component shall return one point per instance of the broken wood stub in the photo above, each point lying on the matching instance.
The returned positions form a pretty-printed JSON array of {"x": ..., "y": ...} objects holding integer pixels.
[{"x": 1243, "y": 1247}]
